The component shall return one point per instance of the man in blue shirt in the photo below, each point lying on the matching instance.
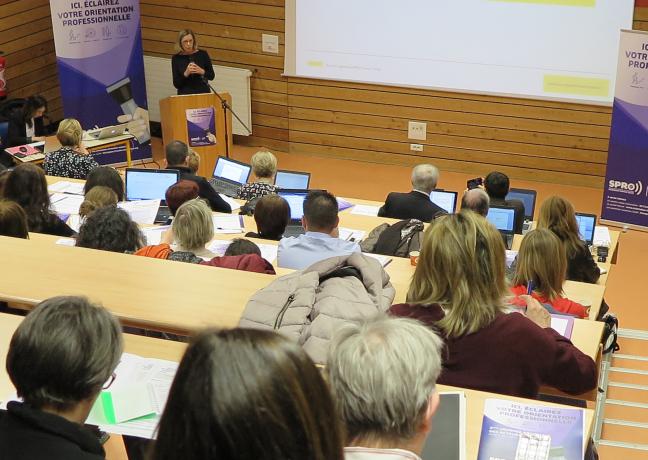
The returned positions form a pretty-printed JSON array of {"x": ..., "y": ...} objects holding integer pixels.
[{"x": 321, "y": 240}]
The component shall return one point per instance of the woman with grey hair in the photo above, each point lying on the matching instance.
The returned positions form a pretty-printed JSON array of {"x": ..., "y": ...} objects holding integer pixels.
[{"x": 60, "y": 358}]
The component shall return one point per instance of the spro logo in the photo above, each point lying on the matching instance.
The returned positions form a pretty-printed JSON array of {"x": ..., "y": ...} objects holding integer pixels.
[{"x": 633, "y": 188}]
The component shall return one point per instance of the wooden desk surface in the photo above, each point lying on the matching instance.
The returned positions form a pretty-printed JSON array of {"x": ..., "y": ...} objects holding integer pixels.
[{"x": 173, "y": 351}]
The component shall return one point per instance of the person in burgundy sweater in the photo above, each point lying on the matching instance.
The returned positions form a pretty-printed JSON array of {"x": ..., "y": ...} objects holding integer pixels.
[
  {"x": 543, "y": 263},
  {"x": 458, "y": 289}
]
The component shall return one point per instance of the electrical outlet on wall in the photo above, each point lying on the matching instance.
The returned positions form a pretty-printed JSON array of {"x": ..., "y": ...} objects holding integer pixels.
[
  {"x": 417, "y": 130},
  {"x": 416, "y": 147}
]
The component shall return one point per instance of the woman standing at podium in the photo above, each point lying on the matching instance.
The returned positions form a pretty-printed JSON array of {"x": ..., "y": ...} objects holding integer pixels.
[{"x": 191, "y": 67}]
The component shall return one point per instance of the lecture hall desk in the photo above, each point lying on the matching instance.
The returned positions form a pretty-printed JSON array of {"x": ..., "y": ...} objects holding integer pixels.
[{"x": 172, "y": 351}]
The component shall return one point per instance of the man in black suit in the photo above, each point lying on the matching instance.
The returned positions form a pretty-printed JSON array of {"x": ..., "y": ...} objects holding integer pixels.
[
  {"x": 176, "y": 158},
  {"x": 497, "y": 187},
  {"x": 415, "y": 204}
]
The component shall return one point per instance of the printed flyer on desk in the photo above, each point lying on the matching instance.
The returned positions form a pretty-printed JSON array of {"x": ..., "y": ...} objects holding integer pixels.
[
  {"x": 201, "y": 127},
  {"x": 513, "y": 430}
]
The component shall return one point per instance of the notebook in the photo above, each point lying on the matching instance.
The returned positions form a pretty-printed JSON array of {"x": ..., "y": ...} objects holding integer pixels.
[
  {"x": 295, "y": 199},
  {"x": 151, "y": 184},
  {"x": 528, "y": 198},
  {"x": 503, "y": 218},
  {"x": 292, "y": 179},
  {"x": 586, "y": 227},
  {"x": 447, "y": 200},
  {"x": 229, "y": 175}
]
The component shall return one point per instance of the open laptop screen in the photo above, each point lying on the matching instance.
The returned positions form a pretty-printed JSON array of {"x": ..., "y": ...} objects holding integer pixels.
[
  {"x": 502, "y": 218},
  {"x": 292, "y": 179},
  {"x": 296, "y": 202},
  {"x": 444, "y": 199},
  {"x": 232, "y": 170},
  {"x": 149, "y": 184},
  {"x": 528, "y": 197},
  {"x": 586, "y": 226}
]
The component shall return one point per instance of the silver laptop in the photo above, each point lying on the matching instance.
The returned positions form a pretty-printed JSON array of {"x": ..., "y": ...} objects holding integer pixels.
[
  {"x": 292, "y": 179},
  {"x": 229, "y": 175},
  {"x": 106, "y": 132},
  {"x": 295, "y": 199}
]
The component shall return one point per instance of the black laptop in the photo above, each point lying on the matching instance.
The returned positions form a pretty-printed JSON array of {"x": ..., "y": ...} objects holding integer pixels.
[
  {"x": 292, "y": 180},
  {"x": 295, "y": 199},
  {"x": 503, "y": 218},
  {"x": 528, "y": 198},
  {"x": 586, "y": 227},
  {"x": 151, "y": 184}
]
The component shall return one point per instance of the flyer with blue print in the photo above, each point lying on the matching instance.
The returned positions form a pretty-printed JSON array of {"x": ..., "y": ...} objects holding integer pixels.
[
  {"x": 201, "y": 126},
  {"x": 514, "y": 430}
]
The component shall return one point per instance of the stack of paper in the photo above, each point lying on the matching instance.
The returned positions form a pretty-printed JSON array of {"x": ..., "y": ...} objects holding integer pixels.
[
  {"x": 225, "y": 223},
  {"x": 65, "y": 204},
  {"x": 143, "y": 211},
  {"x": 602, "y": 236},
  {"x": 563, "y": 324},
  {"x": 365, "y": 210},
  {"x": 74, "y": 188},
  {"x": 153, "y": 235},
  {"x": 233, "y": 204},
  {"x": 349, "y": 234}
]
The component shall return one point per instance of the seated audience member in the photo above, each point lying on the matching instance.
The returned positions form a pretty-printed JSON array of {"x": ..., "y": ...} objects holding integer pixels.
[
  {"x": 476, "y": 200},
  {"x": 264, "y": 167},
  {"x": 383, "y": 377},
  {"x": 13, "y": 220},
  {"x": 272, "y": 216},
  {"x": 193, "y": 161},
  {"x": 557, "y": 214},
  {"x": 176, "y": 158},
  {"x": 496, "y": 185},
  {"x": 60, "y": 357},
  {"x": 542, "y": 262},
  {"x": 242, "y": 254},
  {"x": 458, "y": 289},
  {"x": 98, "y": 197},
  {"x": 321, "y": 238},
  {"x": 4, "y": 175},
  {"x": 250, "y": 395},
  {"x": 108, "y": 177},
  {"x": 110, "y": 229},
  {"x": 27, "y": 124},
  {"x": 193, "y": 228},
  {"x": 179, "y": 193},
  {"x": 415, "y": 204},
  {"x": 26, "y": 185},
  {"x": 72, "y": 159}
]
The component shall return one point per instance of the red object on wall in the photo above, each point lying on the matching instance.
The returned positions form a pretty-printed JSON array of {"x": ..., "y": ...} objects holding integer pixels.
[{"x": 3, "y": 82}]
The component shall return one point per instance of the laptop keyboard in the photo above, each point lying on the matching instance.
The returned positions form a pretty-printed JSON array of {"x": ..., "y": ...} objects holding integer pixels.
[{"x": 224, "y": 187}]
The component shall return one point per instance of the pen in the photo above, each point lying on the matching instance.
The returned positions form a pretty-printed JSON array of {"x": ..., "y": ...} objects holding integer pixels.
[{"x": 530, "y": 286}]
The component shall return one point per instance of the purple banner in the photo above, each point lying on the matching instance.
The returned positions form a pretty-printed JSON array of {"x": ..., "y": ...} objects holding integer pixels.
[
  {"x": 101, "y": 69},
  {"x": 625, "y": 197},
  {"x": 201, "y": 127}
]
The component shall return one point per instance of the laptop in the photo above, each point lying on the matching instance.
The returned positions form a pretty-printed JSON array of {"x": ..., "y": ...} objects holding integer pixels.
[
  {"x": 106, "y": 132},
  {"x": 151, "y": 184},
  {"x": 528, "y": 197},
  {"x": 445, "y": 199},
  {"x": 229, "y": 175},
  {"x": 586, "y": 227},
  {"x": 292, "y": 180},
  {"x": 503, "y": 218},
  {"x": 295, "y": 199}
]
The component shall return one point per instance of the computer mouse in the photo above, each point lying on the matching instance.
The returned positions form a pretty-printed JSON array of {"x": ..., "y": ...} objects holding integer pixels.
[{"x": 23, "y": 149}]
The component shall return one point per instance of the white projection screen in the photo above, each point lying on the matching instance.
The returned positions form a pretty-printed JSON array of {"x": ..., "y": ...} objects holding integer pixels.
[{"x": 542, "y": 49}]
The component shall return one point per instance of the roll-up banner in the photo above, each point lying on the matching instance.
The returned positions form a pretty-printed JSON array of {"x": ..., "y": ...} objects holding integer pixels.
[
  {"x": 625, "y": 196},
  {"x": 101, "y": 69}
]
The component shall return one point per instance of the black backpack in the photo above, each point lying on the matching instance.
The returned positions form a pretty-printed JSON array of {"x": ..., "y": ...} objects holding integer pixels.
[{"x": 396, "y": 240}]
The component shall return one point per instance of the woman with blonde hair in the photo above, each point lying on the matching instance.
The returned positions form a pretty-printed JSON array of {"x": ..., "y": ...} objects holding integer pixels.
[
  {"x": 557, "y": 214},
  {"x": 542, "y": 262},
  {"x": 191, "y": 67},
  {"x": 264, "y": 167},
  {"x": 72, "y": 159},
  {"x": 458, "y": 289},
  {"x": 193, "y": 228}
]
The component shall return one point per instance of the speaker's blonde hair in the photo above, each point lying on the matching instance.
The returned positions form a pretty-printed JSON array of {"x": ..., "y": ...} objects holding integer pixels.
[
  {"x": 69, "y": 133},
  {"x": 461, "y": 267},
  {"x": 542, "y": 260}
]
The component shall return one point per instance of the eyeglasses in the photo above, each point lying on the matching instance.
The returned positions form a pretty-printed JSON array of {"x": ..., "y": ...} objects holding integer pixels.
[{"x": 110, "y": 381}]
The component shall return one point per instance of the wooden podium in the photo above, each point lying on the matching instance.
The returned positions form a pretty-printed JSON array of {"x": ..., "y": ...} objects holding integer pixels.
[{"x": 174, "y": 125}]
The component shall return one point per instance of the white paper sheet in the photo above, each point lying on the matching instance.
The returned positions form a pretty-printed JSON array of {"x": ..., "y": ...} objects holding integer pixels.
[
  {"x": 224, "y": 223},
  {"x": 233, "y": 204},
  {"x": 350, "y": 234},
  {"x": 602, "y": 236},
  {"x": 153, "y": 235},
  {"x": 143, "y": 211},
  {"x": 74, "y": 188},
  {"x": 66, "y": 242},
  {"x": 384, "y": 260},
  {"x": 63, "y": 203},
  {"x": 510, "y": 257},
  {"x": 365, "y": 210}
]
